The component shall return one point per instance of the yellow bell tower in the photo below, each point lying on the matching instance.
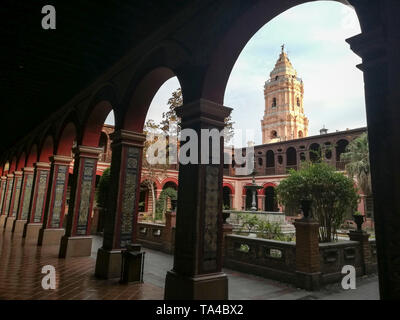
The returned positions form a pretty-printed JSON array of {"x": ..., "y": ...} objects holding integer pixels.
[{"x": 284, "y": 117}]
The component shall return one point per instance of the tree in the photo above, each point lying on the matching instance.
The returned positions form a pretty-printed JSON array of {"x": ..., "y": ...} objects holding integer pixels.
[
  {"x": 357, "y": 166},
  {"x": 153, "y": 171},
  {"x": 176, "y": 100},
  {"x": 161, "y": 206},
  {"x": 332, "y": 194},
  {"x": 103, "y": 189}
]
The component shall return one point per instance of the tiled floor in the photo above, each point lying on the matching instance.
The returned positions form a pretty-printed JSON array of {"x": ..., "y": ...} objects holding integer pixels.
[{"x": 21, "y": 265}]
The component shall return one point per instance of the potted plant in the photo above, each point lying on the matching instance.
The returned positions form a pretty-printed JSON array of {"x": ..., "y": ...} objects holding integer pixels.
[{"x": 358, "y": 219}]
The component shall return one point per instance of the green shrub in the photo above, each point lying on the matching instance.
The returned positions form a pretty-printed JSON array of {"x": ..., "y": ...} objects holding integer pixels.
[{"x": 333, "y": 195}]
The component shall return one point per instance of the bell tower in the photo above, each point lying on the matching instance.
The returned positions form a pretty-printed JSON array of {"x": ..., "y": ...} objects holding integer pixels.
[{"x": 284, "y": 117}]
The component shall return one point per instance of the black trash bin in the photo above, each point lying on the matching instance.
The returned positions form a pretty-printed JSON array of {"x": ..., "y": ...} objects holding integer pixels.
[{"x": 132, "y": 264}]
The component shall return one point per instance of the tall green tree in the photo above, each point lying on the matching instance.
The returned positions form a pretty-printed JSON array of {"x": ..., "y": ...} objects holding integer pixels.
[
  {"x": 176, "y": 100},
  {"x": 357, "y": 166}
]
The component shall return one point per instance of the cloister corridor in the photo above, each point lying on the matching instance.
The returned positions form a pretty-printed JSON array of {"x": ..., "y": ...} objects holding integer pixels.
[{"x": 20, "y": 278}]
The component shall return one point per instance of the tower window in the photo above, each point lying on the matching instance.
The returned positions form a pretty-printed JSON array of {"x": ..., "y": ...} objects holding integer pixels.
[
  {"x": 273, "y": 102},
  {"x": 274, "y": 134},
  {"x": 298, "y": 101}
]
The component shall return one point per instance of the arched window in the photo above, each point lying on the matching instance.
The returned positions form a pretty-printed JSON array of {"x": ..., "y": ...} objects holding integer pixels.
[
  {"x": 300, "y": 134},
  {"x": 291, "y": 157},
  {"x": 260, "y": 162},
  {"x": 270, "y": 199},
  {"x": 273, "y": 102},
  {"x": 270, "y": 159},
  {"x": 298, "y": 101},
  {"x": 274, "y": 134},
  {"x": 341, "y": 148}
]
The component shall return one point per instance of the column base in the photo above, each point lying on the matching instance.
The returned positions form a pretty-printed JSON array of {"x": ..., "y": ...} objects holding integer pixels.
[
  {"x": 108, "y": 264},
  {"x": 202, "y": 287},
  {"x": 9, "y": 223},
  {"x": 308, "y": 281},
  {"x": 18, "y": 227},
  {"x": 75, "y": 247},
  {"x": 2, "y": 221},
  {"x": 48, "y": 237},
  {"x": 31, "y": 232}
]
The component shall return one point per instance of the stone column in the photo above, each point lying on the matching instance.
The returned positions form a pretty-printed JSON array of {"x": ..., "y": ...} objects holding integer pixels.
[
  {"x": 308, "y": 271},
  {"x": 122, "y": 213},
  {"x": 16, "y": 191},
  {"x": 198, "y": 241},
  {"x": 77, "y": 241},
  {"x": 231, "y": 200},
  {"x": 261, "y": 202},
  {"x": 52, "y": 230},
  {"x": 363, "y": 238},
  {"x": 3, "y": 186},
  {"x": 170, "y": 223},
  {"x": 37, "y": 201},
  {"x": 244, "y": 201},
  {"x": 379, "y": 49},
  {"x": 24, "y": 201},
  {"x": 6, "y": 200}
]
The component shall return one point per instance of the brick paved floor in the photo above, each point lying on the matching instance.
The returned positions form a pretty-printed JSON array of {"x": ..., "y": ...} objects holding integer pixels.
[{"x": 21, "y": 264}]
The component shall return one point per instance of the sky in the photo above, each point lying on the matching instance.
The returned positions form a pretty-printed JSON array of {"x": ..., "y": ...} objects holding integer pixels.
[{"x": 314, "y": 36}]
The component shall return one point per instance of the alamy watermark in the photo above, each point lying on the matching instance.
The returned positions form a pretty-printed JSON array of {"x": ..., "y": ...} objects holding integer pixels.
[{"x": 189, "y": 146}]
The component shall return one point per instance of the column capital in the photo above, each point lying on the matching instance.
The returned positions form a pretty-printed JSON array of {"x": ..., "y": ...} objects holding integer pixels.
[
  {"x": 88, "y": 152},
  {"x": 10, "y": 175},
  {"x": 370, "y": 46},
  {"x": 56, "y": 159},
  {"x": 203, "y": 111},
  {"x": 18, "y": 173},
  {"x": 3, "y": 178},
  {"x": 127, "y": 137},
  {"x": 28, "y": 169},
  {"x": 42, "y": 165}
]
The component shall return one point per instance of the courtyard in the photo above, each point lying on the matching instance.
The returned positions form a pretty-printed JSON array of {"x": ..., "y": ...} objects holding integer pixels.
[{"x": 20, "y": 278}]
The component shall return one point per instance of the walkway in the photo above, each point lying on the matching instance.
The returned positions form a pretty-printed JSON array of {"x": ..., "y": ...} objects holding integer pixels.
[{"x": 20, "y": 278}]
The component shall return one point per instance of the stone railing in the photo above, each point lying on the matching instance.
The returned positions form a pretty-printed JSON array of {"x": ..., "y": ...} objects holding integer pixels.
[
  {"x": 158, "y": 236},
  {"x": 335, "y": 255},
  {"x": 151, "y": 235},
  {"x": 277, "y": 260},
  {"x": 267, "y": 258}
]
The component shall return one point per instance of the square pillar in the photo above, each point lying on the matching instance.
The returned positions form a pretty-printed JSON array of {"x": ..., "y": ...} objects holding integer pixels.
[
  {"x": 363, "y": 238},
  {"x": 379, "y": 50},
  {"x": 308, "y": 271},
  {"x": 122, "y": 213},
  {"x": 197, "y": 272},
  {"x": 37, "y": 201},
  {"x": 24, "y": 201},
  {"x": 261, "y": 202},
  {"x": 12, "y": 211},
  {"x": 170, "y": 223},
  {"x": 52, "y": 230},
  {"x": 6, "y": 200},
  {"x": 3, "y": 187},
  {"x": 77, "y": 241}
]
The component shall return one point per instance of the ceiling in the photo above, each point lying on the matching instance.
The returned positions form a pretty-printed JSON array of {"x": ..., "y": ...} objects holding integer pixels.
[{"x": 41, "y": 70}]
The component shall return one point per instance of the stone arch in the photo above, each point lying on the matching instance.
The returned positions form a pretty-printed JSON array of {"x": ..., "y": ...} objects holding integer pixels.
[
  {"x": 169, "y": 180},
  {"x": 102, "y": 103},
  {"x": 32, "y": 156},
  {"x": 46, "y": 149},
  {"x": 67, "y": 135},
  {"x": 142, "y": 95},
  {"x": 21, "y": 160},
  {"x": 233, "y": 38}
]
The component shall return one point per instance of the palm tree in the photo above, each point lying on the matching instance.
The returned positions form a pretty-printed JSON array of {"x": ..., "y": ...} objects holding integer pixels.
[{"x": 357, "y": 166}]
